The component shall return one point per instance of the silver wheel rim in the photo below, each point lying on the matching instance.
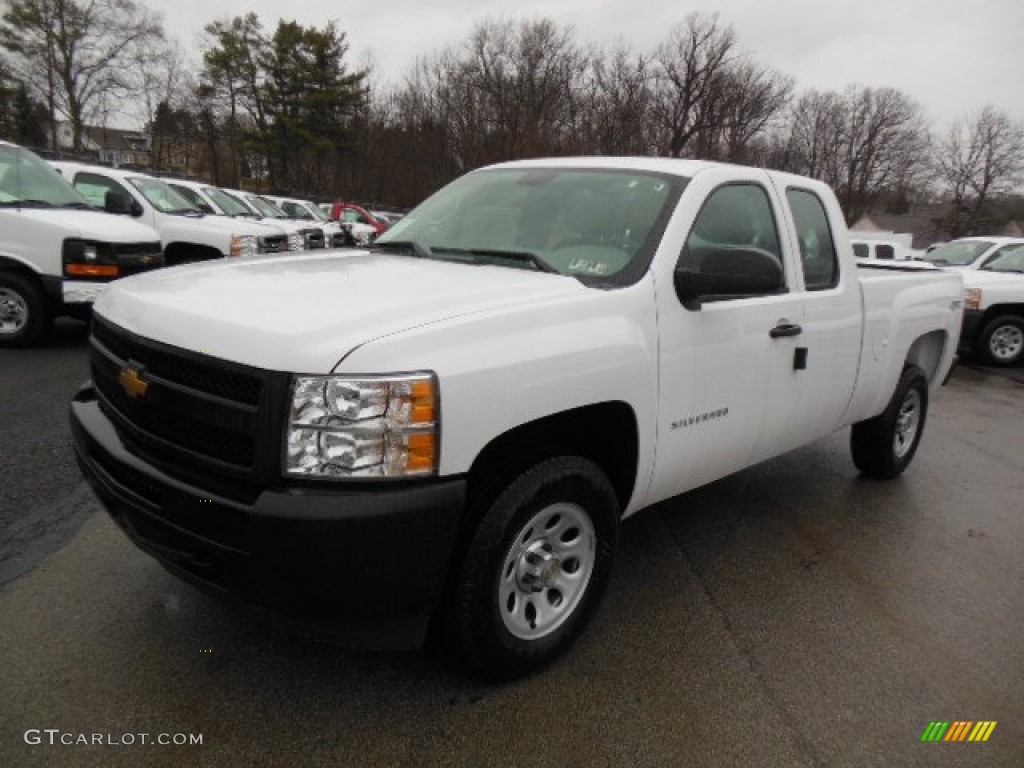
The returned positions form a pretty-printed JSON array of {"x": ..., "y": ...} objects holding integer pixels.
[
  {"x": 546, "y": 571},
  {"x": 908, "y": 420},
  {"x": 1006, "y": 342},
  {"x": 13, "y": 311}
]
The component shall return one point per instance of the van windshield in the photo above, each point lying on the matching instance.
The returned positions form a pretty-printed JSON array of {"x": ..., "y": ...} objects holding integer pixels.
[
  {"x": 600, "y": 226},
  {"x": 26, "y": 180}
]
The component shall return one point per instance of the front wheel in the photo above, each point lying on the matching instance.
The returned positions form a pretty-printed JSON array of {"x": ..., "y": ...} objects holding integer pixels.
[
  {"x": 535, "y": 567},
  {"x": 1002, "y": 341},
  {"x": 885, "y": 445},
  {"x": 24, "y": 318}
]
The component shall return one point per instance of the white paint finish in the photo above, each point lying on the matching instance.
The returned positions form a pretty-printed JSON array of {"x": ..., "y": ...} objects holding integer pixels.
[
  {"x": 510, "y": 346},
  {"x": 304, "y": 313}
]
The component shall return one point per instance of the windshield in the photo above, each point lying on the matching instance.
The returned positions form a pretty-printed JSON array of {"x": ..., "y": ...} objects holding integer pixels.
[
  {"x": 26, "y": 179},
  {"x": 958, "y": 254},
  {"x": 162, "y": 197},
  {"x": 596, "y": 225},
  {"x": 302, "y": 211},
  {"x": 227, "y": 203},
  {"x": 1009, "y": 259},
  {"x": 265, "y": 207}
]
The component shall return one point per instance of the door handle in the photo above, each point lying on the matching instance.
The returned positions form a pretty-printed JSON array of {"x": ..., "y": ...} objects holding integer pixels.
[{"x": 785, "y": 329}]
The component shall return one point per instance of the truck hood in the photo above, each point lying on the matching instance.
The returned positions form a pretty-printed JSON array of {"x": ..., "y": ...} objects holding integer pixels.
[
  {"x": 303, "y": 314},
  {"x": 184, "y": 227},
  {"x": 979, "y": 278},
  {"x": 92, "y": 225}
]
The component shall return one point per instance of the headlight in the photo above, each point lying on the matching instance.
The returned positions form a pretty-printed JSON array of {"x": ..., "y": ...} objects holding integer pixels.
[
  {"x": 296, "y": 242},
  {"x": 244, "y": 245},
  {"x": 972, "y": 298},
  {"x": 367, "y": 426}
]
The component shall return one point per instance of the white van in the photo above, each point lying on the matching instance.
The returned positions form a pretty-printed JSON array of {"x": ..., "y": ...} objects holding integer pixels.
[
  {"x": 56, "y": 252},
  {"x": 340, "y": 233},
  {"x": 186, "y": 232}
]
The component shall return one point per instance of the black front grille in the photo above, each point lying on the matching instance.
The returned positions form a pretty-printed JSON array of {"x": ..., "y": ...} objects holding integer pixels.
[
  {"x": 200, "y": 418},
  {"x": 273, "y": 244},
  {"x": 314, "y": 238}
]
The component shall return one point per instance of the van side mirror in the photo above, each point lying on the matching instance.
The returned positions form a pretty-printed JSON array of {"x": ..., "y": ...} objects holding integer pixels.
[
  {"x": 116, "y": 201},
  {"x": 729, "y": 273}
]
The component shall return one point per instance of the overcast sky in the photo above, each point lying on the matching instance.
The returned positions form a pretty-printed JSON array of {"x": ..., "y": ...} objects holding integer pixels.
[{"x": 953, "y": 57}]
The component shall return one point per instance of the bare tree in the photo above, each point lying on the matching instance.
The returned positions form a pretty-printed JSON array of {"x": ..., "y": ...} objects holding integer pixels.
[
  {"x": 687, "y": 68},
  {"x": 862, "y": 142},
  {"x": 86, "y": 50},
  {"x": 618, "y": 101},
  {"x": 982, "y": 155}
]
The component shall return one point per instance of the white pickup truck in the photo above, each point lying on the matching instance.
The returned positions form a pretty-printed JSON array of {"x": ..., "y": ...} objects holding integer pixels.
[
  {"x": 447, "y": 429},
  {"x": 993, "y": 328}
]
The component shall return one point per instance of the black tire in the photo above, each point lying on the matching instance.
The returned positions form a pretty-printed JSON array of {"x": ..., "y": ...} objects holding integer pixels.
[
  {"x": 884, "y": 446},
  {"x": 1001, "y": 342},
  {"x": 24, "y": 316},
  {"x": 535, "y": 532}
]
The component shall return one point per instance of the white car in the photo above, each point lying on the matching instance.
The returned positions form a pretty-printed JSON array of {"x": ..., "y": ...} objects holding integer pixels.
[
  {"x": 217, "y": 202},
  {"x": 970, "y": 252},
  {"x": 315, "y": 236},
  {"x": 57, "y": 253},
  {"x": 993, "y": 328},
  {"x": 186, "y": 232},
  {"x": 451, "y": 425},
  {"x": 341, "y": 234}
]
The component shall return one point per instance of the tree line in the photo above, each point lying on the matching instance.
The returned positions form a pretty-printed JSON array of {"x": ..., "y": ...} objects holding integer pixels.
[{"x": 283, "y": 109}]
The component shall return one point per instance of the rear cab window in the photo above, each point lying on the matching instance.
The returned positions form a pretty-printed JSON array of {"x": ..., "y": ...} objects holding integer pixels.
[{"x": 818, "y": 257}]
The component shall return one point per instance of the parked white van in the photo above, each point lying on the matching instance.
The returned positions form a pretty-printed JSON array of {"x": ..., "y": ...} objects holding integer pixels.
[{"x": 56, "y": 252}]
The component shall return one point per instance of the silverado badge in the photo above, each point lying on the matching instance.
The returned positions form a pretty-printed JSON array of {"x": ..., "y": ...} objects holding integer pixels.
[{"x": 132, "y": 382}]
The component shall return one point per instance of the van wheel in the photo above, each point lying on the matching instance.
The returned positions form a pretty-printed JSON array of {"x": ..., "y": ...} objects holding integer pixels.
[
  {"x": 536, "y": 567},
  {"x": 24, "y": 318},
  {"x": 884, "y": 446},
  {"x": 1002, "y": 341}
]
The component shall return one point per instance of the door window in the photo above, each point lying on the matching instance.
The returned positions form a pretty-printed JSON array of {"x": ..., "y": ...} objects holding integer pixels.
[
  {"x": 734, "y": 216},
  {"x": 817, "y": 248},
  {"x": 94, "y": 188}
]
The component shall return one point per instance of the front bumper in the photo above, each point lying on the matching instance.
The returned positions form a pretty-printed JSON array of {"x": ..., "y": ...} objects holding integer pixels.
[
  {"x": 81, "y": 292},
  {"x": 365, "y": 565}
]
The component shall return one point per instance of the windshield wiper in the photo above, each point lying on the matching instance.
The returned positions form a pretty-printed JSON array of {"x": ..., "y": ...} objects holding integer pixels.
[
  {"x": 523, "y": 257},
  {"x": 417, "y": 250},
  {"x": 27, "y": 203},
  {"x": 80, "y": 206}
]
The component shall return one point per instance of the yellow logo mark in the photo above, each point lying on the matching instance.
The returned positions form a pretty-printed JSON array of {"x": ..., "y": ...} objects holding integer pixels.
[{"x": 132, "y": 383}]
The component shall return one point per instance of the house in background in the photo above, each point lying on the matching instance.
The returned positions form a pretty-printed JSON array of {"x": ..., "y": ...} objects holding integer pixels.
[{"x": 110, "y": 146}]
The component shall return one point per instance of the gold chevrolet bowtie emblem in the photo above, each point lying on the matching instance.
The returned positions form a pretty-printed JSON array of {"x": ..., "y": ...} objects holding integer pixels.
[{"x": 132, "y": 383}]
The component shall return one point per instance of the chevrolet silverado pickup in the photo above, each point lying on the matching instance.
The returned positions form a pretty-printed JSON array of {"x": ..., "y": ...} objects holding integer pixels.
[
  {"x": 444, "y": 431},
  {"x": 993, "y": 328}
]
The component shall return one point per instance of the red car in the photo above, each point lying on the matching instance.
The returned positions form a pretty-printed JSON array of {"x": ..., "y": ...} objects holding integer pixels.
[{"x": 353, "y": 212}]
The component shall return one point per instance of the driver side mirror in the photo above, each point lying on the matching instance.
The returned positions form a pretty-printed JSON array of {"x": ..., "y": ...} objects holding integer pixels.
[
  {"x": 729, "y": 273},
  {"x": 116, "y": 201}
]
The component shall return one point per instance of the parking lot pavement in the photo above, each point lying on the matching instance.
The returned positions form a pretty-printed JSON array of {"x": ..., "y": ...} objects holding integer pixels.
[{"x": 793, "y": 615}]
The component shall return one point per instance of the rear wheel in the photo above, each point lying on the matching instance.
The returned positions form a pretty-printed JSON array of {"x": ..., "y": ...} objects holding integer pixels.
[
  {"x": 1002, "y": 341},
  {"x": 24, "y": 317},
  {"x": 536, "y": 567},
  {"x": 885, "y": 445}
]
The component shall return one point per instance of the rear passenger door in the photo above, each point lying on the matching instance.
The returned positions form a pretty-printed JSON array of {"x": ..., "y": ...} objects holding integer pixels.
[{"x": 831, "y": 337}]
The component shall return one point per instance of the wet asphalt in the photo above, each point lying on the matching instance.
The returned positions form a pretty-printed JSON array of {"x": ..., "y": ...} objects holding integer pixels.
[{"x": 794, "y": 614}]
